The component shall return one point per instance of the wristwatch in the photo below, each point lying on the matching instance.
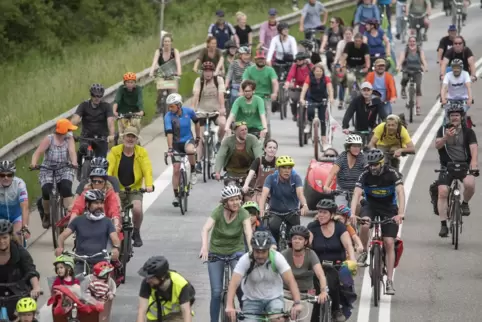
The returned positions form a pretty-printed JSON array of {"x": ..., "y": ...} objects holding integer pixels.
[
  {"x": 296, "y": 302},
  {"x": 114, "y": 246}
]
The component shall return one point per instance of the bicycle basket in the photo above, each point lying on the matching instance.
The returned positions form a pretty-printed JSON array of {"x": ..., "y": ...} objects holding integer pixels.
[
  {"x": 457, "y": 170},
  {"x": 168, "y": 69},
  {"x": 163, "y": 83}
]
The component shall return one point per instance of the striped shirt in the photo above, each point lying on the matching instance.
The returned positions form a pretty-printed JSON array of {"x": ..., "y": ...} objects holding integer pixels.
[
  {"x": 347, "y": 178},
  {"x": 235, "y": 72}
]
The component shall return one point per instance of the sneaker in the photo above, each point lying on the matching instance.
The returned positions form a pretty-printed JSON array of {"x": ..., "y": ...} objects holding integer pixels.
[
  {"x": 464, "y": 207},
  {"x": 397, "y": 36},
  {"x": 338, "y": 316},
  {"x": 307, "y": 128},
  {"x": 362, "y": 259},
  {"x": 444, "y": 231},
  {"x": 295, "y": 118},
  {"x": 389, "y": 290},
  {"x": 175, "y": 202},
  {"x": 136, "y": 237},
  {"x": 404, "y": 93},
  {"x": 46, "y": 221},
  {"x": 193, "y": 178},
  {"x": 340, "y": 106}
]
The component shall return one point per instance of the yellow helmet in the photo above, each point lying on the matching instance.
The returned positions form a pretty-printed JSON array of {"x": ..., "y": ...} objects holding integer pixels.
[
  {"x": 285, "y": 161},
  {"x": 26, "y": 305}
]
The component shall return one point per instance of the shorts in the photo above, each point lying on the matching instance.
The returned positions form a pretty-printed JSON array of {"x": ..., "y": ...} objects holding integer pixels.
[
  {"x": 127, "y": 199},
  {"x": 12, "y": 220},
  {"x": 202, "y": 121},
  {"x": 388, "y": 230},
  {"x": 260, "y": 306},
  {"x": 445, "y": 179},
  {"x": 180, "y": 147}
]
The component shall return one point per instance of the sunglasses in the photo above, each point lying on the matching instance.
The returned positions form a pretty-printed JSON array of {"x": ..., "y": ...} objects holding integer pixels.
[
  {"x": 375, "y": 165},
  {"x": 98, "y": 181},
  {"x": 6, "y": 175},
  {"x": 238, "y": 124},
  {"x": 97, "y": 96}
]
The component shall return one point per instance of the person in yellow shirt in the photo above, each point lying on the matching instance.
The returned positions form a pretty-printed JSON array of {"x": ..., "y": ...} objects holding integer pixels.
[
  {"x": 130, "y": 163},
  {"x": 392, "y": 136}
]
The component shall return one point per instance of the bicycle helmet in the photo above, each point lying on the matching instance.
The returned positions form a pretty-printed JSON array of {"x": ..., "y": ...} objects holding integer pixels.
[
  {"x": 174, "y": 98},
  {"x": 261, "y": 240},
  {"x": 300, "y": 230},
  {"x": 7, "y": 167},
  {"x": 308, "y": 44},
  {"x": 285, "y": 161},
  {"x": 230, "y": 191},
  {"x": 251, "y": 204},
  {"x": 375, "y": 156},
  {"x": 26, "y": 305},
  {"x": 94, "y": 195},
  {"x": 98, "y": 172},
  {"x": 301, "y": 56},
  {"x": 281, "y": 26},
  {"x": 97, "y": 90},
  {"x": 208, "y": 66},
  {"x": 156, "y": 266},
  {"x": 457, "y": 62},
  {"x": 66, "y": 260},
  {"x": 102, "y": 269},
  {"x": 6, "y": 227},
  {"x": 372, "y": 21},
  {"x": 352, "y": 139},
  {"x": 99, "y": 162},
  {"x": 327, "y": 204},
  {"x": 244, "y": 50},
  {"x": 230, "y": 44},
  {"x": 456, "y": 108},
  {"x": 344, "y": 211},
  {"x": 129, "y": 76}
]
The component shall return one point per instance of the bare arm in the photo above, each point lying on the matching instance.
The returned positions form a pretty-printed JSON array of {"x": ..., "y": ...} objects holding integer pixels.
[
  {"x": 195, "y": 97},
  {"x": 43, "y": 146},
  {"x": 75, "y": 119},
  {"x": 443, "y": 92},
  {"x": 250, "y": 177},
  {"x": 72, "y": 152},
  {"x": 330, "y": 92},
  {"x": 472, "y": 68},
  {"x": 333, "y": 172},
  {"x": 474, "y": 162},
  {"x": 348, "y": 245},
  {"x": 196, "y": 65},
  {"x": 439, "y": 55},
  {"x": 142, "y": 309},
  {"x": 155, "y": 62},
  {"x": 410, "y": 148},
  {"x": 424, "y": 60},
  {"x": 219, "y": 66},
  {"x": 63, "y": 236},
  {"x": 205, "y": 232},
  {"x": 355, "y": 199},
  {"x": 289, "y": 279},
  {"x": 323, "y": 42},
  {"x": 301, "y": 195},
  {"x": 25, "y": 212},
  {"x": 111, "y": 125},
  {"x": 114, "y": 238},
  {"x": 387, "y": 45},
  {"x": 320, "y": 275},
  {"x": 262, "y": 201},
  {"x": 343, "y": 59},
  {"x": 275, "y": 86},
  {"x": 248, "y": 231},
  {"x": 177, "y": 57},
  {"x": 443, "y": 66},
  {"x": 373, "y": 142},
  {"x": 233, "y": 286},
  {"x": 401, "y": 199},
  {"x": 304, "y": 89},
  {"x": 440, "y": 142},
  {"x": 186, "y": 312}
]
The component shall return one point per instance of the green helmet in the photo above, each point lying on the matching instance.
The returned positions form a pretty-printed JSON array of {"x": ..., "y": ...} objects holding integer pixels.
[
  {"x": 67, "y": 260},
  {"x": 251, "y": 204}
]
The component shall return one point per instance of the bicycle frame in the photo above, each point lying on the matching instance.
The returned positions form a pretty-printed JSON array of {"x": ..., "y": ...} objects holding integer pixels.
[
  {"x": 283, "y": 233},
  {"x": 316, "y": 125},
  {"x": 89, "y": 155},
  {"x": 411, "y": 99},
  {"x": 457, "y": 8},
  {"x": 184, "y": 178},
  {"x": 209, "y": 145},
  {"x": 283, "y": 73}
]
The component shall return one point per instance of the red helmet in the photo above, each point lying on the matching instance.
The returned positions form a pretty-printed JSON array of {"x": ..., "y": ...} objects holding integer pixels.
[
  {"x": 102, "y": 269},
  {"x": 208, "y": 66}
]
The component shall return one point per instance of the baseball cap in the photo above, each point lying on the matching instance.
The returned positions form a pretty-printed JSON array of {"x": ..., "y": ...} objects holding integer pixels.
[
  {"x": 272, "y": 12},
  {"x": 220, "y": 13},
  {"x": 452, "y": 28},
  {"x": 131, "y": 130},
  {"x": 63, "y": 126},
  {"x": 366, "y": 85}
]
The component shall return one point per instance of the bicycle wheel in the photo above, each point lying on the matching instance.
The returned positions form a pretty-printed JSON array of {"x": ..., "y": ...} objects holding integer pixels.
[
  {"x": 282, "y": 244},
  {"x": 285, "y": 104},
  {"x": 376, "y": 264},
  {"x": 301, "y": 125},
  {"x": 316, "y": 138},
  {"x": 280, "y": 103},
  {"x": 126, "y": 253},
  {"x": 222, "y": 314},
  {"x": 85, "y": 172},
  {"x": 182, "y": 191},
  {"x": 456, "y": 223},
  {"x": 325, "y": 312},
  {"x": 411, "y": 102},
  {"x": 206, "y": 159},
  {"x": 54, "y": 218}
]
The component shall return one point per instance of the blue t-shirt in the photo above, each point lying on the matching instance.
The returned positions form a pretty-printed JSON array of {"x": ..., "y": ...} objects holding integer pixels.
[
  {"x": 380, "y": 85},
  {"x": 375, "y": 44},
  {"x": 11, "y": 198},
  {"x": 91, "y": 236},
  {"x": 283, "y": 193},
  {"x": 180, "y": 126}
]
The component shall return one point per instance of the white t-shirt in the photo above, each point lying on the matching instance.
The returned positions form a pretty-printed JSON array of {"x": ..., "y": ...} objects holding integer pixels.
[
  {"x": 262, "y": 283},
  {"x": 457, "y": 89},
  {"x": 276, "y": 48}
]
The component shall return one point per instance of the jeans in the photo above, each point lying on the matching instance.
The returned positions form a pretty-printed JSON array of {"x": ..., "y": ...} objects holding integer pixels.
[
  {"x": 321, "y": 115},
  {"x": 234, "y": 94},
  {"x": 385, "y": 110},
  {"x": 262, "y": 306},
  {"x": 333, "y": 283},
  {"x": 216, "y": 279},
  {"x": 400, "y": 14}
]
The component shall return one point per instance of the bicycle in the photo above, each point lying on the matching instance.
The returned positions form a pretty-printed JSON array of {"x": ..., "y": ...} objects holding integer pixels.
[
  {"x": 325, "y": 311},
  {"x": 418, "y": 27},
  {"x": 316, "y": 125},
  {"x": 316, "y": 42},
  {"x": 210, "y": 138},
  {"x": 403, "y": 25},
  {"x": 411, "y": 100},
  {"x": 264, "y": 316},
  {"x": 56, "y": 202},
  {"x": 457, "y": 15},
  {"x": 227, "y": 278},
  {"x": 282, "y": 70},
  {"x": 457, "y": 171},
  {"x": 184, "y": 178},
  {"x": 88, "y": 156},
  {"x": 8, "y": 298},
  {"x": 283, "y": 229},
  {"x": 85, "y": 258},
  {"x": 301, "y": 120},
  {"x": 126, "y": 120}
]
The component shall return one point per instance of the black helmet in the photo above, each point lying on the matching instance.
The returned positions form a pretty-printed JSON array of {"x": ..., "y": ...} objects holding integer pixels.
[
  {"x": 230, "y": 44},
  {"x": 7, "y": 167},
  {"x": 282, "y": 25},
  {"x": 97, "y": 90},
  {"x": 327, "y": 204},
  {"x": 156, "y": 266},
  {"x": 261, "y": 240},
  {"x": 308, "y": 44},
  {"x": 99, "y": 162},
  {"x": 456, "y": 108},
  {"x": 6, "y": 227},
  {"x": 94, "y": 195},
  {"x": 300, "y": 230},
  {"x": 98, "y": 172},
  {"x": 301, "y": 56},
  {"x": 375, "y": 156}
]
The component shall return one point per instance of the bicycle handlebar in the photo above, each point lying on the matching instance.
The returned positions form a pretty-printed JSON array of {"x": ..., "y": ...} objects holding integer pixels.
[
  {"x": 474, "y": 172},
  {"x": 391, "y": 153},
  {"x": 90, "y": 140},
  {"x": 141, "y": 190},
  {"x": 84, "y": 258},
  {"x": 281, "y": 214},
  {"x": 226, "y": 259},
  {"x": 242, "y": 315},
  {"x": 377, "y": 222},
  {"x": 177, "y": 154},
  {"x": 55, "y": 168},
  {"x": 129, "y": 115}
]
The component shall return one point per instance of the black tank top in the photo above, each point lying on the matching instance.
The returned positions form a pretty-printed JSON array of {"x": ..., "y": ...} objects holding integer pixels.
[{"x": 161, "y": 61}]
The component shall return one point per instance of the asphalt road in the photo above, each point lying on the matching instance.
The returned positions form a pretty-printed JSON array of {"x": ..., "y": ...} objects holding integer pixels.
[{"x": 433, "y": 282}]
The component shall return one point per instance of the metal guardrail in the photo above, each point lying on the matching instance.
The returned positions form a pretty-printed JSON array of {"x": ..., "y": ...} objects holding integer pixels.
[{"x": 30, "y": 140}]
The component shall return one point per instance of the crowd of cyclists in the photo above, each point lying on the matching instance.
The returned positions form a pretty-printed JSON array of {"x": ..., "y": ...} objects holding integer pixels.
[{"x": 276, "y": 263}]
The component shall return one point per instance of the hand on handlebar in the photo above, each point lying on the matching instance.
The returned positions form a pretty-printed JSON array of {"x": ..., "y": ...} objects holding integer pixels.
[
  {"x": 398, "y": 219},
  {"x": 115, "y": 254},
  {"x": 397, "y": 153},
  {"x": 327, "y": 189},
  {"x": 58, "y": 251},
  {"x": 346, "y": 131}
]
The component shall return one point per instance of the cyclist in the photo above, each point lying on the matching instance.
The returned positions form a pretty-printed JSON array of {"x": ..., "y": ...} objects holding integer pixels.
[
  {"x": 249, "y": 108},
  {"x": 419, "y": 8},
  {"x": 285, "y": 188},
  {"x": 413, "y": 62},
  {"x": 400, "y": 17},
  {"x": 227, "y": 224},
  {"x": 446, "y": 43},
  {"x": 296, "y": 78},
  {"x": 14, "y": 199},
  {"x": 26, "y": 310},
  {"x": 378, "y": 43},
  {"x": 130, "y": 163},
  {"x": 208, "y": 97},
  {"x": 307, "y": 45},
  {"x": 343, "y": 213},
  {"x": 268, "y": 30},
  {"x": 177, "y": 126},
  {"x": 17, "y": 266},
  {"x": 339, "y": 72},
  {"x": 459, "y": 51},
  {"x": 382, "y": 187},
  {"x": 244, "y": 32},
  {"x": 318, "y": 86},
  {"x": 229, "y": 55},
  {"x": 283, "y": 48},
  {"x": 128, "y": 99},
  {"x": 210, "y": 53},
  {"x": 457, "y": 85},
  {"x": 165, "y": 288},
  {"x": 305, "y": 266},
  {"x": 93, "y": 231},
  {"x": 311, "y": 17},
  {"x": 384, "y": 83},
  {"x": 364, "y": 12},
  {"x": 392, "y": 136},
  {"x": 98, "y": 163},
  {"x": 330, "y": 41},
  {"x": 58, "y": 149},
  {"x": 221, "y": 30},
  {"x": 366, "y": 106},
  {"x": 331, "y": 250},
  {"x": 455, "y": 143},
  {"x": 234, "y": 77},
  {"x": 97, "y": 120},
  {"x": 347, "y": 168},
  {"x": 237, "y": 152},
  {"x": 261, "y": 282}
]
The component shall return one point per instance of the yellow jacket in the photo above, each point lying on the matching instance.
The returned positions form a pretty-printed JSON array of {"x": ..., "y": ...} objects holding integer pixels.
[{"x": 142, "y": 166}]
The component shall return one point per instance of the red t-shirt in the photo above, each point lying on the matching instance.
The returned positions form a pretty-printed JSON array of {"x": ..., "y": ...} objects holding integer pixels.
[
  {"x": 308, "y": 81},
  {"x": 61, "y": 281}
]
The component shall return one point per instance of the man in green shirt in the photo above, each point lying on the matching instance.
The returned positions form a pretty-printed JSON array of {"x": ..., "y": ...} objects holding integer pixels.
[
  {"x": 128, "y": 99},
  {"x": 250, "y": 109}
]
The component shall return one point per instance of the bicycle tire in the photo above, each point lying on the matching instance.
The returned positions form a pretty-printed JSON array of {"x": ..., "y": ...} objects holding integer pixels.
[
  {"x": 54, "y": 218},
  {"x": 376, "y": 273},
  {"x": 450, "y": 217},
  {"x": 187, "y": 187},
  {"x": 181, "y": 192},
  {"x": 280, "y": 103},
  {"x": 206, "y": 159},
  {"x": 285, "y": 105},
  {"x": 316, "y": 140},
  {"x": 126, "y": 253},
  {"x": 224, "y": 301},
  {"x": 85, "y": 172},
  {"x": 411, "y": 102},
  {"x": 457, "y": 219},
  {"x": 301, "y": 126},
  {"x": 325, "y": 312}
]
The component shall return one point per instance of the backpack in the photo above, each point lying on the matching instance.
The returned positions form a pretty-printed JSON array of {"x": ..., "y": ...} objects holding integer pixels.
[
  {"x": 215, "y": 79},
  {"x": 406, "y": 52},
  {"x": 399, "y": 131},
  {"x": 271, "y": 257}
]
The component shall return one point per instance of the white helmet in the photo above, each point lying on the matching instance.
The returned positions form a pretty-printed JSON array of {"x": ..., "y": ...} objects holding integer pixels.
[
  {"x": 353, "y": 139},
  {"x": 230, "y": 191},
  {"x": 174, "y": 98}
]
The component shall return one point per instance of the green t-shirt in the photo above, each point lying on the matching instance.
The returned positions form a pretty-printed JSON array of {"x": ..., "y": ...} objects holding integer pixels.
[
  {"x": 262, "y": 77},
  {"x": 249, "y": 112},
  {"x": 129, "y": 101},
  {"x": 227, "y": 239}
]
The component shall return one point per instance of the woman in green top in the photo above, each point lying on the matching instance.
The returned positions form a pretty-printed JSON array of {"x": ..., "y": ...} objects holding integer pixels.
[
  {"x": 227, "y": 224},
  {"x": 249, "y": 109}
]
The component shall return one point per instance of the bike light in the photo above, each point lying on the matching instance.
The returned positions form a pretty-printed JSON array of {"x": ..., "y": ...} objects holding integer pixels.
[
  {"x": 74, "y": 311},
  {"x": 319, "y": 183},
  {"x": 206, "y": 133},
  {"x": 457, "y": 192}
]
